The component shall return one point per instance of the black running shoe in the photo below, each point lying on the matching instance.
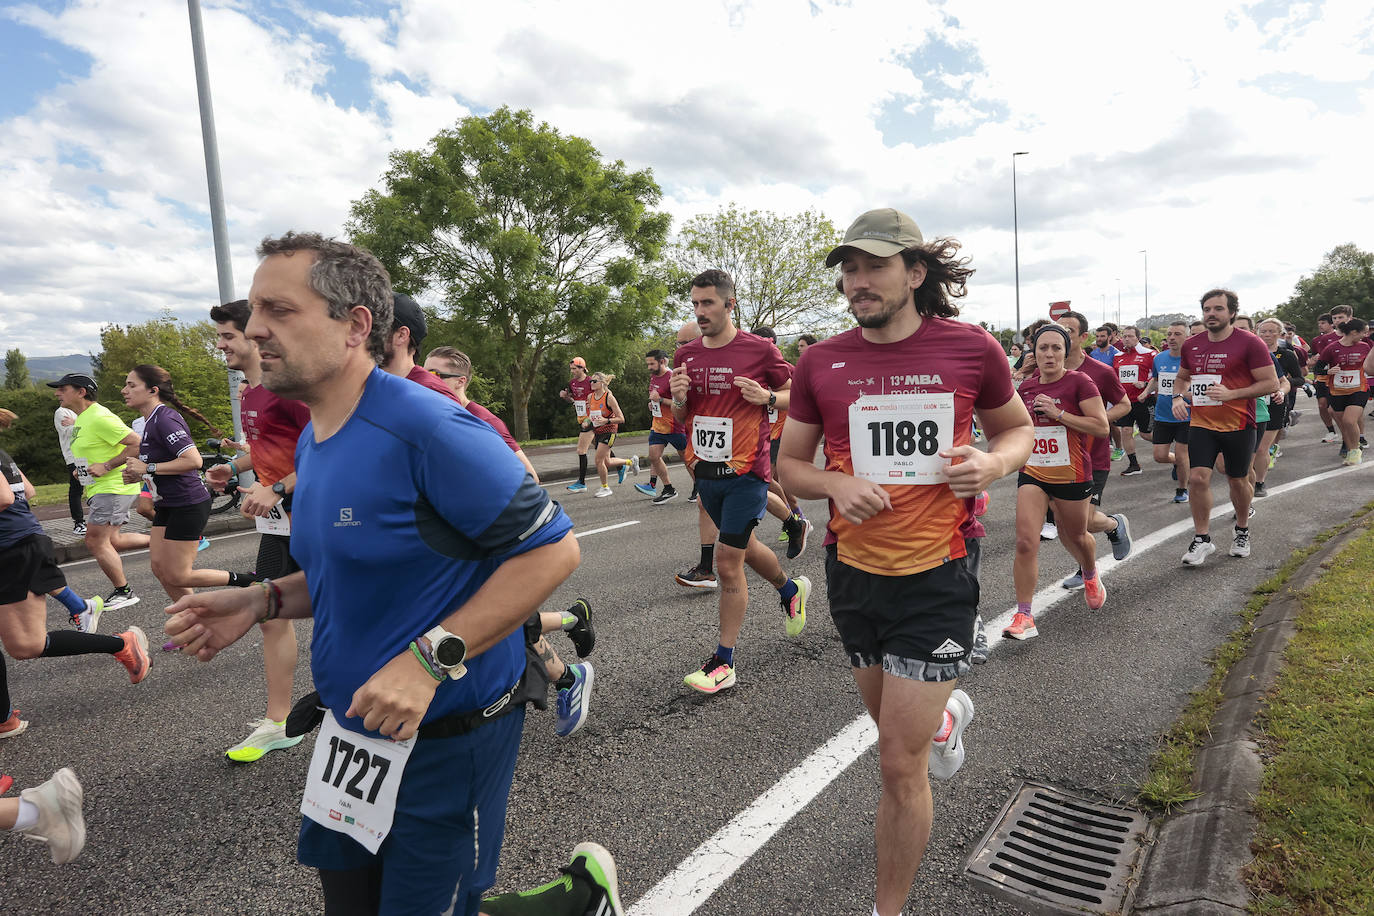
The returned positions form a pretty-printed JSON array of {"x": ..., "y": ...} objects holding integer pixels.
[{"x": 583, "y": 634}]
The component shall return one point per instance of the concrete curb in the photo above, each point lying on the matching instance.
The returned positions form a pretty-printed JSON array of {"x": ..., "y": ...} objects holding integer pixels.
[
  {"x": 68, "y": 548},
  {"x": 1195, "y": 865}
]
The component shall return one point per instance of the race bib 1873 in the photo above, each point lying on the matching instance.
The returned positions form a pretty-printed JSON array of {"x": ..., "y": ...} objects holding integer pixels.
[
  {"x": 713, "y": 438},
  {"x": 896, "y": 439}
]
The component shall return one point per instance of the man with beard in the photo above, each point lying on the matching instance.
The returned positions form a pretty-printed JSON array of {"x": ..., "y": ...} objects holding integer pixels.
[{"x": 894, "y": 399}]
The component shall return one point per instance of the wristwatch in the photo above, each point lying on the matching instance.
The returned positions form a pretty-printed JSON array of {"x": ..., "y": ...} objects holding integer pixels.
[
  {"x": 772, "y": 399},
  {"x": 279, "y": 488},
  {"x": 449, "y": 651},
  {"x": 152, "y": 469}
]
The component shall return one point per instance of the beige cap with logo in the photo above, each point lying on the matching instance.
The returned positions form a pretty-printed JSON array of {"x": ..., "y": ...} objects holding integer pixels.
[{"x": 881, "y": 232}]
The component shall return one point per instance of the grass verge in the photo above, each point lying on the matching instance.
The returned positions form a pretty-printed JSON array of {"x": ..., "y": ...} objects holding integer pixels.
[
  {"x": 1314, "y": 844},
  {"x": 568, "y": 440},
  {"x": 49, "y": 494}
]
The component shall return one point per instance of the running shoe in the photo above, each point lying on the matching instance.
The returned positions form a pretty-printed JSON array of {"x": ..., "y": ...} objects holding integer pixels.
[
  {"x": 1181, "y": 497},
  {"x": 120, "y": 597},
  {"x": 977, "y": 434},
  {"x": 783, "y": 536},
  {"x": 1364, "y": 443},
  {"x": 696, "y": 577},
  {"x": 1330, "y": 437},
  {"x": 583, "y": 633},
  {"x": 13, "y": 725},
  {"x": 1248, "y": 515},
  {"x": 1095, "y": 593},
  {"x": 978, "y": 655},
  {"x": 1198, "y": 551},
  {"x": 1344, "y": 451},
  {"x": 796, "y": 538},
  {"x": 712, "y": 677},
  {"x": 620, "y": 473},
  {"x": 947, "y": 747},
  {"x": 573, "y": 701},
  {"x": 1073, "y": 582},
  {"x": 1022, "y": 627},
  {"x": 592, "y": 865},
  {"x": 796, "y": 608},
  {"x": 1270, "y": 463},
  {"x": 1240, "y": 543},
  {"x": 1121, "y": 537},
  {"x": 134, "y": 655},
  {"x": 203, "y": 545},
  {"x": 645, "y": 489},
  {"x": 59, "y": 823},
  {"x": 1261, "y": 491},
  {"x": 1132, "y": 470},
  {"x": 266, "y": 736},
  {"x": 577, "y": 487},
  {"x": 1049, "y": 531},
  {"x": 980, "y": 504},
  {"x": 663, "y": 497},
  {"x": 603, "y": 492},
  {"x": 634, "y": 465},
  {"x": 1173, "y": 473},
  {"x": 79, "y": 529},
  {"x": 693, "y": 497},
  {"x": 1118, "y": 454},
  {"x": 88, "y": 620},
  {"x": 1354, "y": 456}
]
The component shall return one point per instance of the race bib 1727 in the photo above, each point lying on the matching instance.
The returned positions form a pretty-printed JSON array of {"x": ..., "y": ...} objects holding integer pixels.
[{"x": 352, "y": 784}]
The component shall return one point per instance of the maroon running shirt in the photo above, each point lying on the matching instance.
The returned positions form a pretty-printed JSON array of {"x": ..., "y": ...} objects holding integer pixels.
[
  {"x": 1109, "y": 387},
  {"x": 272, "y": 425},
  {"x": 422, "y": 376},
  {"x": 1059, "y": 454},
  {"x": 1226, "y": 362},
  {"x": 492, "y": 420}
]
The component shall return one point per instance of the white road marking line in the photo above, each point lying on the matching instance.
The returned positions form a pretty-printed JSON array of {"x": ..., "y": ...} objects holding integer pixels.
[
  {"x": 135, "y": 553},
  {"x": 701, "y": 874},
  {"x": 583, "y": 534}
]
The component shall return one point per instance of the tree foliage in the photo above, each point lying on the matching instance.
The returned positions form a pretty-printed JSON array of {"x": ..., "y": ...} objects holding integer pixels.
[
  {"x": 1344, "y": 277},
  {"x": 530, "y": 240},
  {"x": 16, "y": 370},
  {"x": 186, "y": 350},
  {"x": 777, "y": 261},
  {"x": 32, "y": 440}
]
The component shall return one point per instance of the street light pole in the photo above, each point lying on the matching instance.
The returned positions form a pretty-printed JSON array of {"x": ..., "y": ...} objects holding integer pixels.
[
  {"x": 1016, "y": 242},
  {"x": 1118, "y": 301},
  {"x": 1147, "y": 282}
]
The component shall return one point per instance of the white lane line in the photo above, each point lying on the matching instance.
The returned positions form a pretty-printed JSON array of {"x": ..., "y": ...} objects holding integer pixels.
[
  {"x": 702, "y": 873},
  {"x": 583, "y": 534},
  {"x": 714, "y": 861},
  {"x": 135, "y": 553}
]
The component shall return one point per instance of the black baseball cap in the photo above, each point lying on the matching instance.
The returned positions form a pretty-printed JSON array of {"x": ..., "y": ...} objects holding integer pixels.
[
  {"x": 76, "y": 380},
  {"x": 408, "y": 315}
]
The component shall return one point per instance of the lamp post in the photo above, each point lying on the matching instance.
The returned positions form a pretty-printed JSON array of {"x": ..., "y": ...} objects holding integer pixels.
[
  {"x": 1118, "y": 301},
  {"x": 1147, "y": 283},
  {"x": 1015, "y": 240}
]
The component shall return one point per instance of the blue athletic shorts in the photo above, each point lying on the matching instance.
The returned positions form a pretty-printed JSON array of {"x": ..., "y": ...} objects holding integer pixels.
[
  {"x": 735, "y": 504},
  {"x": 450, "y": 786},
  {"x": 676, "y": 440}
]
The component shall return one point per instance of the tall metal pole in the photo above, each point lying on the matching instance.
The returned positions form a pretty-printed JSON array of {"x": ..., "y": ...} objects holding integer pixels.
[
  {"x": 1016, "y": 243},
  {"x": 1104, "y": 308},
  {"x": 1118, "y": 301},
  {"x": 1147, "y": 283},
  {"x": 218, "y": 224}
]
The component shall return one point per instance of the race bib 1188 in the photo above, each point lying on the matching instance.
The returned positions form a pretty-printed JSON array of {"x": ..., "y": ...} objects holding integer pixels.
[{"x": 896, "y": 439}]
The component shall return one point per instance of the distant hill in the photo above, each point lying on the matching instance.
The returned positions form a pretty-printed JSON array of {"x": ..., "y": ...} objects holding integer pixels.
[{"x": 51, "y": 368}]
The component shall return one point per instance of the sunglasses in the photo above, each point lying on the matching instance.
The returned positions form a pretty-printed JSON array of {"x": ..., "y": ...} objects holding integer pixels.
[{"x": 446, "y": 375}]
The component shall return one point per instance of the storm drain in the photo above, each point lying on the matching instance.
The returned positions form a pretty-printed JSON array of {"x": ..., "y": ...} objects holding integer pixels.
[{"x": 1054, "y": 852}]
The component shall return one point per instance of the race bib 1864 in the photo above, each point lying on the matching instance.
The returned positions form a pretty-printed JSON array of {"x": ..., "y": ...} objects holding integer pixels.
[{"x": 896, "y": 439}]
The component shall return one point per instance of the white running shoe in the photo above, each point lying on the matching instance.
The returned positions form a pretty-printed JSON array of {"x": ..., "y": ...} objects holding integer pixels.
[
  {"x": 1240, "y": 543},
  {"x": 90, "y": 618},
  {"x": 1198, "y": 551},
  {"x": 634, "y": 465},
  {"x": 602, "y": 492},
  {"x": 266, "y": 736},
  {"x": 947, "y": 755},
  {"x": 1049, "y": 531},
  {"x": 1330, "y": 437},
  {"x": 60, "y": 823}
]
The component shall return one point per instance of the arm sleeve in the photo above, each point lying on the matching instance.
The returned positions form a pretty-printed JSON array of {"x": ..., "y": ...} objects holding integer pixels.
[
  {"x": 801, "y": 405},
  {"x": 996, "y": 388},
  {"x": 777, "y": 370},
  {"x": 175, "y": 434}
]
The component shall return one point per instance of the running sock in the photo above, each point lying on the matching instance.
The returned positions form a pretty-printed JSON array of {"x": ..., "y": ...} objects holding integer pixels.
[
  {"x": 568, "y": 621},
  {"x": 5, "y": 690},
  {"x": 567, "y": 679},
  {"x": 243, "y": 580},
  {"x": 27, "y": 817},
  {"x": 708, "y": 556},
  {"x": 1179, "y": 491},
  {"x": 653, "y": 482},
  {"x": 726, "y": 655},
  {"x": 563, "y": 897},
  {"x": 788, "y": 589},
  {"x": 1205, "y": 537},
  {"x": 1331, "y": 429},
  {"x": 71, "y": 600},
  {"x": 62, "y": 643},
  {"x": 582, "y": 468},
  {"x": 1023, "y": 607},
  {"x": 1092, "y": 578},
  {"x": 1240, "y": 530}
]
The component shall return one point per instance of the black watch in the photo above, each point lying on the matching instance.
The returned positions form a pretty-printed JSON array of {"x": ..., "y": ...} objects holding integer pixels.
[
  {"x": 772, "y": 399},
  {"x": 279, "y": 488}
]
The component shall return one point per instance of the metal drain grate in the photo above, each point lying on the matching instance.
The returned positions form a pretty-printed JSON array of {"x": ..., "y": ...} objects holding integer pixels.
[{"x": 1050, "y": 851}]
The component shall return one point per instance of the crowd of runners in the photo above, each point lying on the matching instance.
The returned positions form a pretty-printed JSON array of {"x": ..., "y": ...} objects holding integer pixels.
[{"x": 430, "y": 639}]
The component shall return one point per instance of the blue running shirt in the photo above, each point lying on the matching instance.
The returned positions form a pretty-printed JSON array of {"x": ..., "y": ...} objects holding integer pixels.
[
  {"x": 1166, "y": 365},
  {"x": 398, "y": 519}
]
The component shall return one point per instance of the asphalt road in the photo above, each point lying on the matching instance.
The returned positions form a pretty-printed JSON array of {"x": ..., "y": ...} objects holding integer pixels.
[{"x": 174, "y": 828}]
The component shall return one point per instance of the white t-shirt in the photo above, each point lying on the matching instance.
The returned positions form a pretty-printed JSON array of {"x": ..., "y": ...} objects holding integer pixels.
[{"x": 65, "y": 434}]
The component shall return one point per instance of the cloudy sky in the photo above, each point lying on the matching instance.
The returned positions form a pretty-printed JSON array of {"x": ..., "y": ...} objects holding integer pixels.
[{"x": 1229, "y": 139}]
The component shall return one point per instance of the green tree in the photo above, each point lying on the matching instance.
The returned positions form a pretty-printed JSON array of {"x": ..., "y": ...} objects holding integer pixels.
[
  {"x": 777, "y": 262},
  {"x": 1344, "y": 277},
  {"x": 531, "y": 241},
  {"x": 32, "y": 440},
  {"x": 186, "y": 350},
  {"x": 16, "y": 370}
]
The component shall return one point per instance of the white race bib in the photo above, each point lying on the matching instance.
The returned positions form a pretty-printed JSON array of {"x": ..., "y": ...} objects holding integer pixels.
[
  {"x": 274, "y": 522},
  {"x": 1128, "y": 374},
  {"x": 1166, "y": 383},
  {"x": 713, "y": 438},
  {"x": 655, "y": 409},
  {"x": 1050, "y": 448},
  {"x": 1345, "y": 378},
  {"x": 1198, "y": 385},
  {"x": 596, "y": 413},
  {"x": 897, "y": 438},
  {"x": 83, "y": 472},
  {"x": 352, "y": 783},
  {"x": 773, "y": 415},
  {"x": 581, "y": 408}
]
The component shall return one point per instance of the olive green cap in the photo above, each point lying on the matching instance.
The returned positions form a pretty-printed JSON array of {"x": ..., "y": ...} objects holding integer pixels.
[{"x": 880, "y": 232}]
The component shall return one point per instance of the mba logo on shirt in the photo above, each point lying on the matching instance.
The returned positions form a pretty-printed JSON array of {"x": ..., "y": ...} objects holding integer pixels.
[{"x": 346, "y": 518}]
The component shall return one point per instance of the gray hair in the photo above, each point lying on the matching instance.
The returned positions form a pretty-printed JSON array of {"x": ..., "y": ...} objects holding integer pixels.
[{"x": 344, "y": 276}]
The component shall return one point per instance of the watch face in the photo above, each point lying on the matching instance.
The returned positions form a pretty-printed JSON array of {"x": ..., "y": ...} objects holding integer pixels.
[{"x": 450, "y": 652}]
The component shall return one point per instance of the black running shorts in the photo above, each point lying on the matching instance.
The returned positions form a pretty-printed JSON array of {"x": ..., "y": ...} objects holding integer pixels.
[
  {"x": 1237, "y": 447},
  {"x": 29, "y": 567},
  {"x": 919, "y": 627},
  {"x": 1339, "y": 402},
  {"x": 274, "y": 557},
  {"x": 182, "y": 523},
  {"x": 1069, "y": 492},
  {"x": 1100, "y": 479},
  {"x": 1165, "y": 433},
  {"x": 1137, "y": 416}
]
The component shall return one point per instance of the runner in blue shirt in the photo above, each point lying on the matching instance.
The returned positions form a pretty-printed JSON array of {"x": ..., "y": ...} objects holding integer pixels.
[
  {"x": 1167, "y": 428},
  {"x": 419, "y": 581}
]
